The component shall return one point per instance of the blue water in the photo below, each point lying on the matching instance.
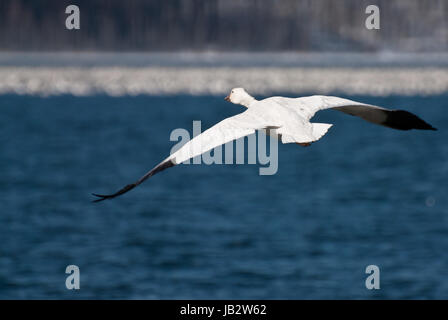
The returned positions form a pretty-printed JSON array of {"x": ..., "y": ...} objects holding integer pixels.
[{"x": 362, "y": 195}]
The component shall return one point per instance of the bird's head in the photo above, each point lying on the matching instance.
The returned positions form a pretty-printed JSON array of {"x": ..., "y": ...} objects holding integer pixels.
[{"x": 239, "y": 96}]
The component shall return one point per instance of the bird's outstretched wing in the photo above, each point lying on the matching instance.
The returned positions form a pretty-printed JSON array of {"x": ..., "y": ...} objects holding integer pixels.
[
  {"x": 161, "y": 166},
  {"x": 227, "y": 130},
  {"x": 396, "y": 119}
]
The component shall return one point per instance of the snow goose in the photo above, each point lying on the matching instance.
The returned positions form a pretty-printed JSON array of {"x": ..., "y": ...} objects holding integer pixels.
[{"x": 288, "y": 119}]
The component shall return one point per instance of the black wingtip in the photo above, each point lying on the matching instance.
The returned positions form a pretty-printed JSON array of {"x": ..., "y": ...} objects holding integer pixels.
[
  {"x": 426, "y": 126},
  {"x": 100, "y": 196},
  {"x": 158, "y": 168},
  {"x": 405, "y": 120}
]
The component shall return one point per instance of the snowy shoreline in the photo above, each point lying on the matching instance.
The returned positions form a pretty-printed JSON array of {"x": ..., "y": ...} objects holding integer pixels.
[{"x": 119, "y": 81}]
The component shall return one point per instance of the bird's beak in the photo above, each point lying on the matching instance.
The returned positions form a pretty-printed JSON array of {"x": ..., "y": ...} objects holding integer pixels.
[{"x": 227, "y": 98}]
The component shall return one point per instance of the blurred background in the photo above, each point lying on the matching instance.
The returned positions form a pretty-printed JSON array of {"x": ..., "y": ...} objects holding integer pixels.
[
  {"x": 91, "y": 110},
  {"x": 229, "y": 25}
]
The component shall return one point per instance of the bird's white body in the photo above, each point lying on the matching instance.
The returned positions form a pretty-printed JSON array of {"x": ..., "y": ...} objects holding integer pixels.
[
  {"x": 292, "y": 121},
  {"x": 286, "y": 118}
]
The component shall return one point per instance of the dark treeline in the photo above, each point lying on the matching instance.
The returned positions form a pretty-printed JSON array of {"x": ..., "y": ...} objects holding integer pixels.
[{"x": 154, "y": 25}]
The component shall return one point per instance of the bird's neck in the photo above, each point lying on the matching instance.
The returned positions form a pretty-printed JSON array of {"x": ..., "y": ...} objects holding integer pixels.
[{"x": 248, "y": 101}]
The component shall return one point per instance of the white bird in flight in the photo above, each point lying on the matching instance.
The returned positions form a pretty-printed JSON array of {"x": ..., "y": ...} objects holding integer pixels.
[{"x": 288, "y": 119}]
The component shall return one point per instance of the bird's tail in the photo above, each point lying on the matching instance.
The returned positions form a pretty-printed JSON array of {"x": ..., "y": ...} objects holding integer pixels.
[{"x": 320, "y": 129}]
